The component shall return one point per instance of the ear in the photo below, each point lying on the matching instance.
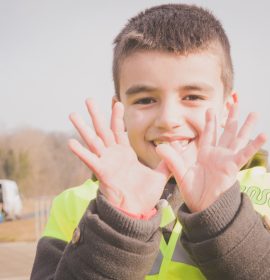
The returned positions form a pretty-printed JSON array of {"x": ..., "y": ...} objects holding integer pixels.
[{"x": 231, "y": 99}]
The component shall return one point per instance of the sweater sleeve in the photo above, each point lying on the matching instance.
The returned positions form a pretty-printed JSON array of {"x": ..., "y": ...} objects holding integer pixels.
[
  {"x": 107, "y": 244},
  {"x": 228, "y": 239}
]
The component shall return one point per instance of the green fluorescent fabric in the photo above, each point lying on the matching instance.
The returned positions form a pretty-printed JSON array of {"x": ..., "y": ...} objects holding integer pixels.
[{"x": 69, "y": 207}]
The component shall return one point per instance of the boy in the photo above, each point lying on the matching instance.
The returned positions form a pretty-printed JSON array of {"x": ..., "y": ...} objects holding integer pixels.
[{"x": 173, "y": 77}]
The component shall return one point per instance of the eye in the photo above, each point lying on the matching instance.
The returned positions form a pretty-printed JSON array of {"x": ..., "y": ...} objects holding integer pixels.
[
  {"x": 145, "y": 101},
  {"x": 193, "y": 97}
]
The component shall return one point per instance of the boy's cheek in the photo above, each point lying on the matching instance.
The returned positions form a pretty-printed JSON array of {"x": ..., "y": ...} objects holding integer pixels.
[
  {"x": 132, "y": 117},
  {"x": 137, "y": 124}
]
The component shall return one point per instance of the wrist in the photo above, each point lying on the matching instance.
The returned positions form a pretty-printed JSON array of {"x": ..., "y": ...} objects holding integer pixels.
[
  {"x": 145, "y": 216},
  {"x": 123, "y": 224},
  {"x": 130, "y": 207}
]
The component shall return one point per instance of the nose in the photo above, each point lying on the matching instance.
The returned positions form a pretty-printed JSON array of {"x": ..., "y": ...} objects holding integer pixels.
[{"x": 169, "y": 115}]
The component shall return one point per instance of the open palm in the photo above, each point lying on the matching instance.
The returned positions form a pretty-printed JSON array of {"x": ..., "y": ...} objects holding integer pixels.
[
  {"x": 217, "y": 164},
  {"x": 123, "y": 180}
]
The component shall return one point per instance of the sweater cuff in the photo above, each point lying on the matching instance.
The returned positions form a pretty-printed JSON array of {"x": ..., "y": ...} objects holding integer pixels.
[
  {"x": 128, "y": 226},
  {"x": 210, "y": 222},
  {"x": 137, "y": 216}
]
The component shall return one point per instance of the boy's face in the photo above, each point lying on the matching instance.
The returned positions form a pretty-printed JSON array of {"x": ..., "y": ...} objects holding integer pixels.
[{"x": 165, "y": 98}]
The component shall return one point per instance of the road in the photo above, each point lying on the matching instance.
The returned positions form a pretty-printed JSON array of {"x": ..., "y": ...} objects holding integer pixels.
[{"x": 16, "y": 260}]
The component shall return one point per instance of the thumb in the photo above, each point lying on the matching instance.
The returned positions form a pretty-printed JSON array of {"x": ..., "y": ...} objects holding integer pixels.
[
  {"x": 174, "y": 162},
  {"x": 163, "y": 169}
]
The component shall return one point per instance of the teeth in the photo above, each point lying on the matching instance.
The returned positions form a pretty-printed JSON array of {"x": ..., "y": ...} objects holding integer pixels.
[
  {"x": 183, "y": 143},
  {"x": 157, "y": 142}
]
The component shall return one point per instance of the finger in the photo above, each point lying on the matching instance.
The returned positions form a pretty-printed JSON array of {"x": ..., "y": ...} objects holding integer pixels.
[
  {"x": 208, "y": 136},
  {"x": 117, "y": 124},
  {"x": 229, "y": 134},
  {"x": 233, "y": 111},
  {"x": 230, "y": 129},
  {"x": 93, "y": 142},
  {"x": 177, "y": 146},
  {"x": 243, "y": 135},
  {"x": 243, "y": 156},
  {"x": 90, "y": 159},
  {"x": 102, "y": 130},
  {"x": 174, "y": 162},
  {"x": 188, "y": 153}
]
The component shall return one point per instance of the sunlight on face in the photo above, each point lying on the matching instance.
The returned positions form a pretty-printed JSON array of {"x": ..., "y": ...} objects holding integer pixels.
[{"x": 165, "y": 98}]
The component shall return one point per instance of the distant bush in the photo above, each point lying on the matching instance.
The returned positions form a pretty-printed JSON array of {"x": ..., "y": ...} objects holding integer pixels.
[{"x": 39, "y": 162}]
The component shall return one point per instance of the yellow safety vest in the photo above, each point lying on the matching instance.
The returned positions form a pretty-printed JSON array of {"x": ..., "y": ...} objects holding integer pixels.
[{"x": 172, "y": 261}]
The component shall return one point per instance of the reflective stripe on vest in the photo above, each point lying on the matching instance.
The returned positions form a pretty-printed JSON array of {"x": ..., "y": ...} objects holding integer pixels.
[
  {"x": 172, "y": 262},
  {"x": 255, "y": 182}
]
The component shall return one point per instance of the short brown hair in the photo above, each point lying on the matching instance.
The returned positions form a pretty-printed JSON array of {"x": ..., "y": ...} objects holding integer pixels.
[{"x": 176, "y": 28}]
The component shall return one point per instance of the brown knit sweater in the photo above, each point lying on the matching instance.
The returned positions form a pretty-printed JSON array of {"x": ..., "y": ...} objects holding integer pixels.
[{"x": 226, "y": 241}]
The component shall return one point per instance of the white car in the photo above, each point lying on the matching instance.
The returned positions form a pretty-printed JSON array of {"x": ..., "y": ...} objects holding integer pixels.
[{"x": 12, "y": 204}]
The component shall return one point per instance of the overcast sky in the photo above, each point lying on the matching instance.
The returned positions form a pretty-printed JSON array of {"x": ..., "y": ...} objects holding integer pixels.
[{"x": 55, "y": 53}]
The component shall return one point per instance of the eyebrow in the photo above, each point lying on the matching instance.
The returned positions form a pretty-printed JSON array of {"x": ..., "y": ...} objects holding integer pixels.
[
  {"x": 139, "y": 88},
  {"x": 144, "y": 88},
  {"x": 198, "y": 86}
]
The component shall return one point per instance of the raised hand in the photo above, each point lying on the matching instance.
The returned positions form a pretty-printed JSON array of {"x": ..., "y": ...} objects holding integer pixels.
[
  {"x": 123, "y": 180},
  {"x": 217, "y": 164}
]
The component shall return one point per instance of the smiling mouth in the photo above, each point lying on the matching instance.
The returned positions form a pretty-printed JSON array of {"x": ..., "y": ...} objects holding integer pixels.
[{"x": 183, "y": 143}]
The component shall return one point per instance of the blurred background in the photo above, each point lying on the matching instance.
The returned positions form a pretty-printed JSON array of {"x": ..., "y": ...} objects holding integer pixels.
[{"x": 56, "y": 53}]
